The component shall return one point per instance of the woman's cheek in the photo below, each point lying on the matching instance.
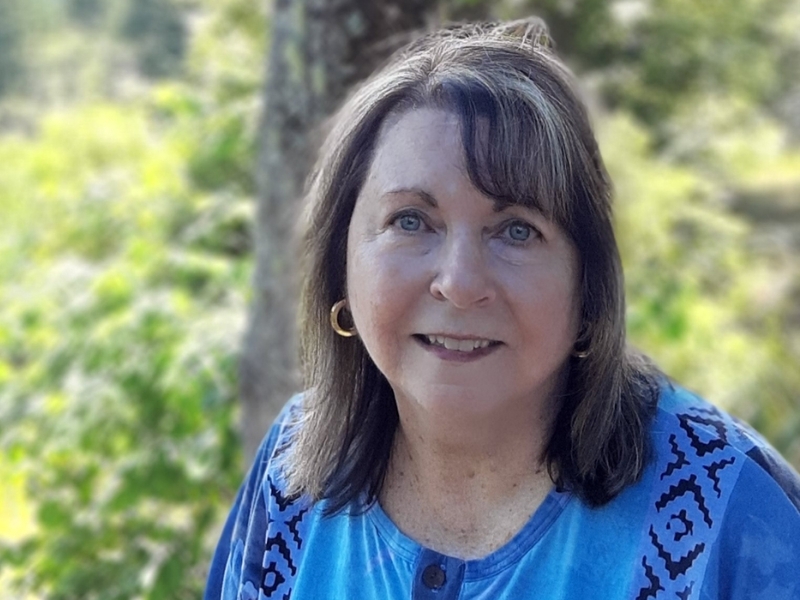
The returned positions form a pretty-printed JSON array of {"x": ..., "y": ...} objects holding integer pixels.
[{"x": 384, "y": 288}]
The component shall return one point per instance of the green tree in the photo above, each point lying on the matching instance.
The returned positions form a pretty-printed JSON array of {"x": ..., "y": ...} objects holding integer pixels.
[
  {"x": 158, "y": 32},
  {"x": 121, "y": 343},
  {"x": 87, "y": 12},
  {"x": 118, "y": 343}
]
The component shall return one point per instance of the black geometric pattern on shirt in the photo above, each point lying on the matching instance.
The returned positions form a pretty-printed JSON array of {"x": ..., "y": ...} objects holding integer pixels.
[
  {"x": 699, "y": 445},
  {"x": 687, "y": 592},
  {"x": 284, "y": 540},
  {"x": 715, "y": 468},
  {"x": 680, "y": 566},
  {"x": 277, "y": 579},
  {"x": 685, "y": 486},
  {"x": 293, "y": 523},
  {"x": 680, "y": 458},
  {"x": 707, "y": 410},
  {"x": 278, "y": 542},
  {"x": 688, "y": 525},
  {"x": 284, "y": 502},
  {"x": 655, "y": 583},
  {"x": 708, "y": 418}
]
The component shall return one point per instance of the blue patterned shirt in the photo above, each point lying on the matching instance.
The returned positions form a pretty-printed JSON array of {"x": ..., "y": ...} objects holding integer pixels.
[{"x": 716, "y": 515}]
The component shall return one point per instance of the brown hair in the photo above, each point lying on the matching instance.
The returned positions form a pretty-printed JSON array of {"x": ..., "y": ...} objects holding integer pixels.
[{"x": 541, "y": 152}]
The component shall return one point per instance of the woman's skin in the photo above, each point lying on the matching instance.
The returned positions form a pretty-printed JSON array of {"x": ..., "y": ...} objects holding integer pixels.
[{"x": 433, "y": 270}]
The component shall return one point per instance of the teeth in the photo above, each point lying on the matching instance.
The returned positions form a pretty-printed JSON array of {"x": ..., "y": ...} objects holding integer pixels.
[
  {"x": 454, "y": 344},
  {"x": 467, "y": 345}
]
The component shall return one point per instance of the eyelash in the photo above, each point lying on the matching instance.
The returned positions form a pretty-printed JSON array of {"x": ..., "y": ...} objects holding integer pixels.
[
  {"x": 395, "y": 220},
  {"x": 503, "y": 229}
]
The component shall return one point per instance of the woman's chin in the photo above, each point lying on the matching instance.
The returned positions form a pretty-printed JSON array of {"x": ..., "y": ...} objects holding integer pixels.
[{"x": 456, "y": 403}]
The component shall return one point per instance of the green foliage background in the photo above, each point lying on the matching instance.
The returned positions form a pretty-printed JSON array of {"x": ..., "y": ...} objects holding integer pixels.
[{"x": 127, "y": 135}]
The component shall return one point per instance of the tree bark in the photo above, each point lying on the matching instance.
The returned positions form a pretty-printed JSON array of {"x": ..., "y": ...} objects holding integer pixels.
[{"x": 319, "y": 49}]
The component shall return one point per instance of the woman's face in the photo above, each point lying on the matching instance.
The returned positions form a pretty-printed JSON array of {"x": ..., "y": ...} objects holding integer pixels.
[{"x": 461, "y": 306}]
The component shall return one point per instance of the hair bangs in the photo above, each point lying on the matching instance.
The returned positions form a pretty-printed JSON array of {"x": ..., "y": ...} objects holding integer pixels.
[{"x": 514, "y": 148}]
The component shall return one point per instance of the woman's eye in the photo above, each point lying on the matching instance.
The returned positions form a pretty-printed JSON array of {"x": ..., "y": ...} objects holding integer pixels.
[
  {"x": 519, "y": 231},
  {"x": 409, "y": 222}
]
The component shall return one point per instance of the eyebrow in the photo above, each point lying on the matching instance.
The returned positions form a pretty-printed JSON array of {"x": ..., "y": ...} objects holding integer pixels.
[
  {"x": 420, "y": 193},
  {"x": 428, "y": 198}
]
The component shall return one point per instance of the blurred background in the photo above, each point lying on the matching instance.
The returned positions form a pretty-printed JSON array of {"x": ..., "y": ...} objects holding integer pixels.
[{"x": 132, "y": 165}]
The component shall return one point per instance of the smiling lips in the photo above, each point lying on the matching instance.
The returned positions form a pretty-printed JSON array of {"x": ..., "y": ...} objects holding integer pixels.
[{"x": 461, "y": 345}]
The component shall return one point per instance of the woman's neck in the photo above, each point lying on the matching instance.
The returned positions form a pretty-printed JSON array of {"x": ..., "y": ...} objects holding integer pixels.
[{"x": 465, "y": 493}]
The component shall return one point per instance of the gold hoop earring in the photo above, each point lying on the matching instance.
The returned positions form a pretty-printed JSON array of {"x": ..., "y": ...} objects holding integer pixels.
[
  {"x": 580, "y": 353},
  {"x": 335, "y": 310}
]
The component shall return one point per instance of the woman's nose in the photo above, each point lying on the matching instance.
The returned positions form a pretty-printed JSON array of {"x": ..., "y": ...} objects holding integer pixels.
[{"x": 462, "y": 275}]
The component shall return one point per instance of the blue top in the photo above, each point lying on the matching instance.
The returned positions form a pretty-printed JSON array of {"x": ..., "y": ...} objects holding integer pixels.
[{"x": 715, "y": 515}]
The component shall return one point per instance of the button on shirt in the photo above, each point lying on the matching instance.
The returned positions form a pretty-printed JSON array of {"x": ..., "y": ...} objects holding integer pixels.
[{"x": 433, "y": 576}]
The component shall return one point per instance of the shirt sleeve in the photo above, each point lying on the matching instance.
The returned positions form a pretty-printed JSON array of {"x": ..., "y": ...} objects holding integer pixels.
[
  {"x": 758, "y": 553},
  {"x": 243, "y": 522}
]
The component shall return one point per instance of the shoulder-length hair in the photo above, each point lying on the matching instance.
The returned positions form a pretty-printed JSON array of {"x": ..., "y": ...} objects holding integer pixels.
[{"x": 539, "y": 151}]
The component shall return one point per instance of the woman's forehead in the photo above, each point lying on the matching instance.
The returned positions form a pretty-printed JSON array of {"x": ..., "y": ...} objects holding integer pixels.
[
  {"x": 421, "y": 138},
  {"x": 417, "y": 145}
]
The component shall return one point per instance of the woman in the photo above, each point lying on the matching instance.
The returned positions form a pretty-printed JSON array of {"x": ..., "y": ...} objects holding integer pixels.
[{"x": 474, "y": 425}]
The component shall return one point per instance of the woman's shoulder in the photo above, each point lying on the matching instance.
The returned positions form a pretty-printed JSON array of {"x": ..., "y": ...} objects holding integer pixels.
[
  {"x": 714, "y": 486},
  {"x": 263, "y": 510},
  {"x": 693, "y": 436}
]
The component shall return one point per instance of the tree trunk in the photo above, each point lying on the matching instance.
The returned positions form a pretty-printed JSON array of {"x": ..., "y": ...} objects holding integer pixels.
[{"x": 319, "y": 49}]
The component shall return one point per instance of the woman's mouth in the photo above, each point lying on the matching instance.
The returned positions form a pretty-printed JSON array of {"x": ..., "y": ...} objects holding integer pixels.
[{"x": 464, "y": 345}]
